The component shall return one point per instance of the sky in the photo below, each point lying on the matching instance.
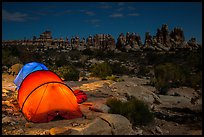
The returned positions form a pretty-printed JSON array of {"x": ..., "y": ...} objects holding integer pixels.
[{"x": 23, "y": 20}]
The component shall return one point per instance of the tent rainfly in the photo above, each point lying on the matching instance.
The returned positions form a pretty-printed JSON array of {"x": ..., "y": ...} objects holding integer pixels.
[{"x": 43, "y": 96}]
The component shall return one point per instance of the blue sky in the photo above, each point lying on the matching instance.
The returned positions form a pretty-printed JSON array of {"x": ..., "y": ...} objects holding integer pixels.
[{"x": 26, "y": 19}]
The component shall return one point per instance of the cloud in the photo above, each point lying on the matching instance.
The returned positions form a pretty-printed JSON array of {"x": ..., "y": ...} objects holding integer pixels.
[
  {"x": 102, "y": 3},
  {"x": 97, "y": 25},
  {"x": 90, "y": 13},
  {"x": 134, "y": 14},
  {"x": 15, "y": 16},
  {"x": 116, "y": 15},
  {"x": 93, "y": 21},
  {"x": 43, "y": 13},
  {"x": 105, "y": 6},
  {"x": 64, "y": 13},
  {"x": 120, "y": 9},
  {"x": 121, "y": 3},
  {"x": 131, "y": 8}
]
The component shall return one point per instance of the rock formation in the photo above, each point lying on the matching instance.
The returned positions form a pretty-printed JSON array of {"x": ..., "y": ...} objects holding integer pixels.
[{"x": 164, "y": 40}]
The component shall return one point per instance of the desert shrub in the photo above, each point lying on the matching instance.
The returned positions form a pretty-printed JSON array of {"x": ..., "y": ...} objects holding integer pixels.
[
  {"x": 61, "y": 61},
  {"x": 109, "y": 54},
  {"x": 27, "y": 57},
  {"x": 8, "y": 59},
  {"x": 77, "y": 64},
  {"x": 75, "y": 54},
  {"x": 68, "y": 73},
  {"x": 193, "y": 80},
  {"x": 88, "y": 52},
  {"x": 143, "y": 71},
  {"x": 152, "y": 81},
  {"x": 83, "y": 60},
  {"x": 4, "y": 69},
  {"x": 117, "y": 68},
  {"x": 99, "y": 54},
  {"x": 114, "y": 78},
  {"x": 169, "y": 75},
  {"x": 134, "y": 110},
  {"x": 166, "y": 75},
  {"x": 101, "y": 70},
  {"x": 195, "y": 59}
]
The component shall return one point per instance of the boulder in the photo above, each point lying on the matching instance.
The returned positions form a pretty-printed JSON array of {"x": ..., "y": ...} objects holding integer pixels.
[
  {"x": 138, "y": 131},
  {"x": 87, "y": 113},
  {"x": 158, "y": 130},
  {"x": 15, "y": 69},
  {"x": 20, "y": 131},
  {"x": 60, "y": 131},
  {"x": 5, "y": 90},
  {"x": 120, "y": 125},
  {"x": 195, "y": 132},
  {"x": 105, "y": 124},
  {"x": 97, "y": 127},
  {"x": 138, "y": 91},
  {"x": 99, "y": 107},
  {"x": 7, "y": 120},
  {"x": 8, "y": 103},
  {"x": 175, "y": 101},
  {"x": 4, "y": 68},
  {"x": 184, "y": 91},
  {"x": 28, "y": 124}
]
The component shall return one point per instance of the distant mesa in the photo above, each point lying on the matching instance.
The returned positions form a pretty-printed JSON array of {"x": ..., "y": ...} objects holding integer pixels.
[{"x": 164, "y": 40}]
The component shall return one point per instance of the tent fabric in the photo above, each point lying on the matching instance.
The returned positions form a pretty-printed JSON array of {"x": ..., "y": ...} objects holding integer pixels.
[
  {"x": 43, "y": 96},
  {"x": 27, "y": 69},
  {"x": 80, "y": 95}
]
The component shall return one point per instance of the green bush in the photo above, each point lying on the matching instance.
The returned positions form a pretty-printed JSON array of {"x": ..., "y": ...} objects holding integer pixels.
[
  {"x": 61, "y": 60},
  {"x": 99, "y": 54},
  {"x": 117, "y": 68},
  {"x": 170, "y": 75},
  {"x": 134, "y": 110},
  {"x": 194, "y": 80},
  {"x": 88, "y": 52},
  {"x": 167, "y": 75},
  {"x": 109, "y": 54},
  {"x": 143, "y": 71},
  {"x": 8, "y": 59},
  {"x": 75, "y": 54},
  {"x": 101, "y": 70},
  {"x": 68, "y": 73},
  {"x": 195, "y": 59}
]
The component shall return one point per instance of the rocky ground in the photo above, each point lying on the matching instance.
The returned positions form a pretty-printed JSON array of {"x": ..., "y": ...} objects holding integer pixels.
[{"x": 178, "y": 113}]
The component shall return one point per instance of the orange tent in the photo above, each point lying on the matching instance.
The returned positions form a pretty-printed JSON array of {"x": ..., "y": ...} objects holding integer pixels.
[{"x": 43, "y": 96}]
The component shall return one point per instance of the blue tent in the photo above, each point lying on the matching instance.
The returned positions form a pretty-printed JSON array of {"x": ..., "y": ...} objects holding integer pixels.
[{"x": 27, "y": 69}]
